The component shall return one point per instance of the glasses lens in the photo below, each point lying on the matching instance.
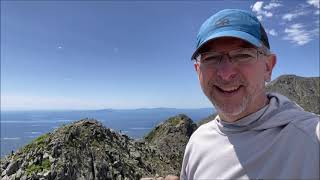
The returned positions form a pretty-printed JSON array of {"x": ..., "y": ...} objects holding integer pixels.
[
  {"x": 243, "y": 55},
  {"x": 210, "y": 58},
  {"x": 238, "y": 56}
]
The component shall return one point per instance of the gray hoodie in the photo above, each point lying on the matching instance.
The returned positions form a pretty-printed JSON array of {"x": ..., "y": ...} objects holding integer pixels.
[{"x": 280, "y": 141}]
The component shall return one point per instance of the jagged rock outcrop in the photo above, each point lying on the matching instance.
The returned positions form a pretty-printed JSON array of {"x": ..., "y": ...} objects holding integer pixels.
[
  {"x": 305, "y": 91},
  {"x": 171, "y": 137},
  {"x": 87, "y": 150}
]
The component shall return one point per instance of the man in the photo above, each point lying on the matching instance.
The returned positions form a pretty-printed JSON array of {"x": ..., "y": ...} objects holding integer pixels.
[{"x": 255, "y": 135}]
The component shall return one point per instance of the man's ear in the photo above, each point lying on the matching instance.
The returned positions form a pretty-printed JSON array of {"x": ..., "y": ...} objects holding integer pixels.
[
  {"x": 271, "y": 61},
  {"x": 196, "y": 67}
]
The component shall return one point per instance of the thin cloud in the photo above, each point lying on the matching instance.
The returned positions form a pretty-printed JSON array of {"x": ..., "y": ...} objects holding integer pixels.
[
  {"x": 291, "y": 16},
  {"x": 315, "y": 3},
  {"x": 264, "y": 10},
  {"x": 273, "y": 32},
  {"x": 315, "y": 31},
  {"x": 289, "y": 27},
  {"x": 268, "y": 14},
  {"x": 297, "y": 34},
  {"x": 257, "y": 7},
  {"x": 272, "y": 5},
  {"x": 260, "y": 18}
]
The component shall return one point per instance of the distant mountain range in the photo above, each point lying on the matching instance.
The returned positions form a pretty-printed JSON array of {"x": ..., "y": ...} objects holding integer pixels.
[
  {"x": 87, "y": 150},
  {"x": 162, "y": 109}
]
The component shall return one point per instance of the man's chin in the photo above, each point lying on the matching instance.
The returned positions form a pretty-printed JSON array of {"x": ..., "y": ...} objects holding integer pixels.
[{"x": 230, "y": 112}]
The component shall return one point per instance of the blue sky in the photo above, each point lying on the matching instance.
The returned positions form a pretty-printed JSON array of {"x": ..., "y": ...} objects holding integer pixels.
[{"x": 105, "y": 54}]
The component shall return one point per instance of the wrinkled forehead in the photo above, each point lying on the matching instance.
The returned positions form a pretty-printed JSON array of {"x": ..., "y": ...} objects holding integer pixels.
[{"x": 225, "y": 43}]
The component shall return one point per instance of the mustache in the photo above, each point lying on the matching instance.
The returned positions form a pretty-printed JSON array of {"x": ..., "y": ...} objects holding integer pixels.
[{"x": 222, "y": 83}]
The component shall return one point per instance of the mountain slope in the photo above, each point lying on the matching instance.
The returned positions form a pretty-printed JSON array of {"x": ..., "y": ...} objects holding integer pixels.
[
  {"x": 171, "y": 137},
  {"x": 305, "y": 91}
]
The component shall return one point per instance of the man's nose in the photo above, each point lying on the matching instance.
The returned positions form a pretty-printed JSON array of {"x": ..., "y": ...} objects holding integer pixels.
[{"x": 226, "y": 70}]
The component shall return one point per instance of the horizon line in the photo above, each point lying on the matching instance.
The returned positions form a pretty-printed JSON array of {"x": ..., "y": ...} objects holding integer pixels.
[{"x": 104, "y": 109}]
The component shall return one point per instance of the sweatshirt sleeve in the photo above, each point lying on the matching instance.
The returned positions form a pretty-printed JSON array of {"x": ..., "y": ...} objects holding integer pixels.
[{"x": 183, "y": 173}]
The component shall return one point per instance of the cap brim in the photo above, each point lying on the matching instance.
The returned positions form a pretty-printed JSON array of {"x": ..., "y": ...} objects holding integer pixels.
[{"x": 231, "y": 33}]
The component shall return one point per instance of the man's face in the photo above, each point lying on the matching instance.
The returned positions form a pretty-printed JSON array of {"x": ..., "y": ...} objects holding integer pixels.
[{"x": 235, "y": 90}]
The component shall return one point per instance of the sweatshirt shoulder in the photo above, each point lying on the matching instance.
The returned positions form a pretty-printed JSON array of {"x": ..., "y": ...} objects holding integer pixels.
[
  {"x": 203, "y": 130},
  {"x": 309, "y": 125}
]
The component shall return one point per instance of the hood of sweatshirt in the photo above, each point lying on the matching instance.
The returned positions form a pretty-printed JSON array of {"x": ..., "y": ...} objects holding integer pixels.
[{"x": 279, "y": 112}]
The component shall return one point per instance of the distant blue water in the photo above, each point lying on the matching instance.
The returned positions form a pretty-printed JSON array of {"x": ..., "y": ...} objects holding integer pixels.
[{"x": 21, "y": 127}]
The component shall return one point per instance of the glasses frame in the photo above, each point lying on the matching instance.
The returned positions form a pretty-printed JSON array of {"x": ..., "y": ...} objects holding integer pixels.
[{"x": 262, "y": 50}]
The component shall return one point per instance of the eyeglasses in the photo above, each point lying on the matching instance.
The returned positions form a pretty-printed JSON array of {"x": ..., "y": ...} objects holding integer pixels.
[{"x": 238, "y": 57}]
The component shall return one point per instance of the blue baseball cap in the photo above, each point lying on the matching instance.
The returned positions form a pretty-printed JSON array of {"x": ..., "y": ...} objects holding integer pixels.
[{"x": 232, "y": 23}]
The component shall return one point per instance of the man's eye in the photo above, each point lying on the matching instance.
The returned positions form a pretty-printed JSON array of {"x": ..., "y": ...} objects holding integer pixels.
[
  {"x": 211, "y": 59},
  {"x": 242, "y": 56}
]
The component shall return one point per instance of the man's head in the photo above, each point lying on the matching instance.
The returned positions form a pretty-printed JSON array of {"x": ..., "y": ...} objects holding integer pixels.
[{"x": 233, "y": 63}]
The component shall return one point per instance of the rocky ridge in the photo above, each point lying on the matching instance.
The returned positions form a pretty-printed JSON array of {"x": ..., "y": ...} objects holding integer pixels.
[
  {"x": 86, "y": 149},
  {"x": 305, "y": 91},
  {"x": 171, "y": 137}
]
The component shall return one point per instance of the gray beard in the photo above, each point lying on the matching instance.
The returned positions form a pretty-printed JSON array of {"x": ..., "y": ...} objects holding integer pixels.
[{"x": 232, "y": 111}]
